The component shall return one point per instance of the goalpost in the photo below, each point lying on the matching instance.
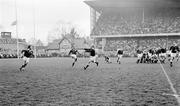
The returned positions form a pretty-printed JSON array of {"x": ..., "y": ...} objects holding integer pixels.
[{"x": 17, "y": 33}]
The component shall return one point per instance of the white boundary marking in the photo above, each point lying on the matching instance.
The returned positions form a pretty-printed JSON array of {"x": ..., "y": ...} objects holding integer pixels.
[{"x": 171, "y": 85}]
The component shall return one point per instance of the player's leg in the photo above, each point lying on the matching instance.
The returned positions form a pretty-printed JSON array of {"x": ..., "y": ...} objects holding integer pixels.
[
  {"x": 138, "y": 58},
  {"x": 119, "y": 59},
  {"x": 106, "y": 58},
  {"x": 178, "y": 56},
  {"x": 90, "y": 60},
  {"x": 75, "y": 59},
  {"x": 164, "y": 57},
  {"x": 95, "y": 60},
  {"x": 172, "y": 58},
  {"x": 109, "y": 60},
  {"x": 26, "y": 61}
]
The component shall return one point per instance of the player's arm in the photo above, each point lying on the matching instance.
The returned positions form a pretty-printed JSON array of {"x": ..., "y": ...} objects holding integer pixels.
[
  {"x": 87, "y": 50},
  {"x": 70, "y": 52},
  {"x": 117, "y": 53},
  {"x": 171, "y": 48},
  {"x": 178, "y": 49},
  {"x": 79, "y": 53}
]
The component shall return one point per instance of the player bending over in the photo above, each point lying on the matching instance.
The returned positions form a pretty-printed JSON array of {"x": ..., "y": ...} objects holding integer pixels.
[
  {"x": 73, "y": 53},
  {"x": 93, "y": 56},
  {"x": 162, "y": 55},
  {"x": 119, "y": 54},
  {"x": 174, "y": 50},
  {"x": 107, "y": 59},
  {"x": 26, "y": 55}
]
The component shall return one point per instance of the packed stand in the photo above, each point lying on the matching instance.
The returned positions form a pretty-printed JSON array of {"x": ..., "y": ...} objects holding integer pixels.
[{"x": 133, "y": 22}]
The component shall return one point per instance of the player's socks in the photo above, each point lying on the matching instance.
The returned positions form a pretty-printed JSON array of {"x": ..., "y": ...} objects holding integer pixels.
[
  {"x": 137, "y": 61},
  {"x": 75, "y": 59},
  {"x": 86, "y": 67},
  {"x": 23, "y": 66},
  {"x": 171, "y": 64},
  {"x": 20, "y": 68},
  {"x": 73, "y": 64},
  {"x": 97, "y": 63}
]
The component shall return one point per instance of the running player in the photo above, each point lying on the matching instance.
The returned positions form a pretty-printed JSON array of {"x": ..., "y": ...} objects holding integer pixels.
[
  {"x": 174, "y": 50},
  {"x": 26, "y": 55},
  {"x": 73, "y": 53},
  {"x": 93, "y": 56},
  {"x": 119, "y": 54}
]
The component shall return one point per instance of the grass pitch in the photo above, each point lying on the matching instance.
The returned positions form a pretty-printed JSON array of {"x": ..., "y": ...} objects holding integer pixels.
[{"x": 54, "y": 82}]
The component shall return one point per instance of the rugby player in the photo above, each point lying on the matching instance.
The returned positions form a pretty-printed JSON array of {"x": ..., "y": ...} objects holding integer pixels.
[
  {"x": 162, "y": 55},
  {"x": 139, "y": 55},
  {"x": 93, "y": 56},
  {"x": 174, "y": 50},
  {"x": 73, "y": 53},
  {"x": 26, "y": 55},
  {"x": 107, "y": 59},
  {"x": 119, "y": 54}
]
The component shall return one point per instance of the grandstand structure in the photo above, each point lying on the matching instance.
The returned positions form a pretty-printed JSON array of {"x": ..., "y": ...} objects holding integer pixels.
[
  {"x": 8, "y": 45},
  {"x": 133, "y": 24}
]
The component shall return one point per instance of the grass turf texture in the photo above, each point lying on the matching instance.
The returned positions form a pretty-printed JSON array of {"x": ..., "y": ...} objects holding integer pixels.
[{"x": 53, "y": 82}]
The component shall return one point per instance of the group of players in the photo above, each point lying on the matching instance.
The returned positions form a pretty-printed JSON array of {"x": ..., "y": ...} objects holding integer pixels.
[
  {"x": 145, "y": 56},
  {"x": 158, "y": 54}
]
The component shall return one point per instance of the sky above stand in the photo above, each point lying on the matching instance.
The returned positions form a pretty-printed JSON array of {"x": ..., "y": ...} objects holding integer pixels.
[{"x": 47, "y": 14}]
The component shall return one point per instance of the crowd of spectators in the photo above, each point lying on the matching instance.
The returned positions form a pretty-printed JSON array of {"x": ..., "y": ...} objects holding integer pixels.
[
  {"x": 152, "y": 22},
  {"x": 8, "y": 55}
]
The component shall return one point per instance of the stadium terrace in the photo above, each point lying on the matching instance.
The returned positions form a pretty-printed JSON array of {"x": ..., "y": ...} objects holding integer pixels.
[{"x": 134, "y": 24}]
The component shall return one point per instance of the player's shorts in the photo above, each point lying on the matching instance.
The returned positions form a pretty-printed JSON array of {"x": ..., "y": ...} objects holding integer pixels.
[
  {"x": 178, "y": 55},
  {"x": 26, "y": 59},
  {"x": 73, "y": 56},
  {"x": 162, "y": 55},
  {"x": 93, "y": 58},
  {"x": 120, "y": 56},
  {"x": 150, "y": 55},
  {"x": 173, "y": 55},
  {"x": 139, "y": 56},
  {"x": 168, "y": 53}
]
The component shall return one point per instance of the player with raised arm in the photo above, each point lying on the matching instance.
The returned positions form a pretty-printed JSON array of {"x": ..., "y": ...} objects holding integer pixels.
[
  {"x": 73, "y": 53},
  {"x": 93, "y": 56},
  {"x": 26, "y": 55}
]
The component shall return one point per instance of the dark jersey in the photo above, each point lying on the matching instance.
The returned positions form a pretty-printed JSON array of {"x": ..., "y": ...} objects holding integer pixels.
[
  {"x": 158, "y": 51},
  {"x": 27, "y": 53},
  {"x": 91, "y": 51},
  {"x": 163, "y": 50},
  {"x": 73, "y": 51},
  {"x": 120, "y": 52},
  {"x": 174, "y": 49},
  {"x": 151, "y": 51}
]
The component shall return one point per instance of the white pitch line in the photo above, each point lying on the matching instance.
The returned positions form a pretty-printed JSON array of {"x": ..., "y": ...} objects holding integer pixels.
[{"x": 171, "y": 85}]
